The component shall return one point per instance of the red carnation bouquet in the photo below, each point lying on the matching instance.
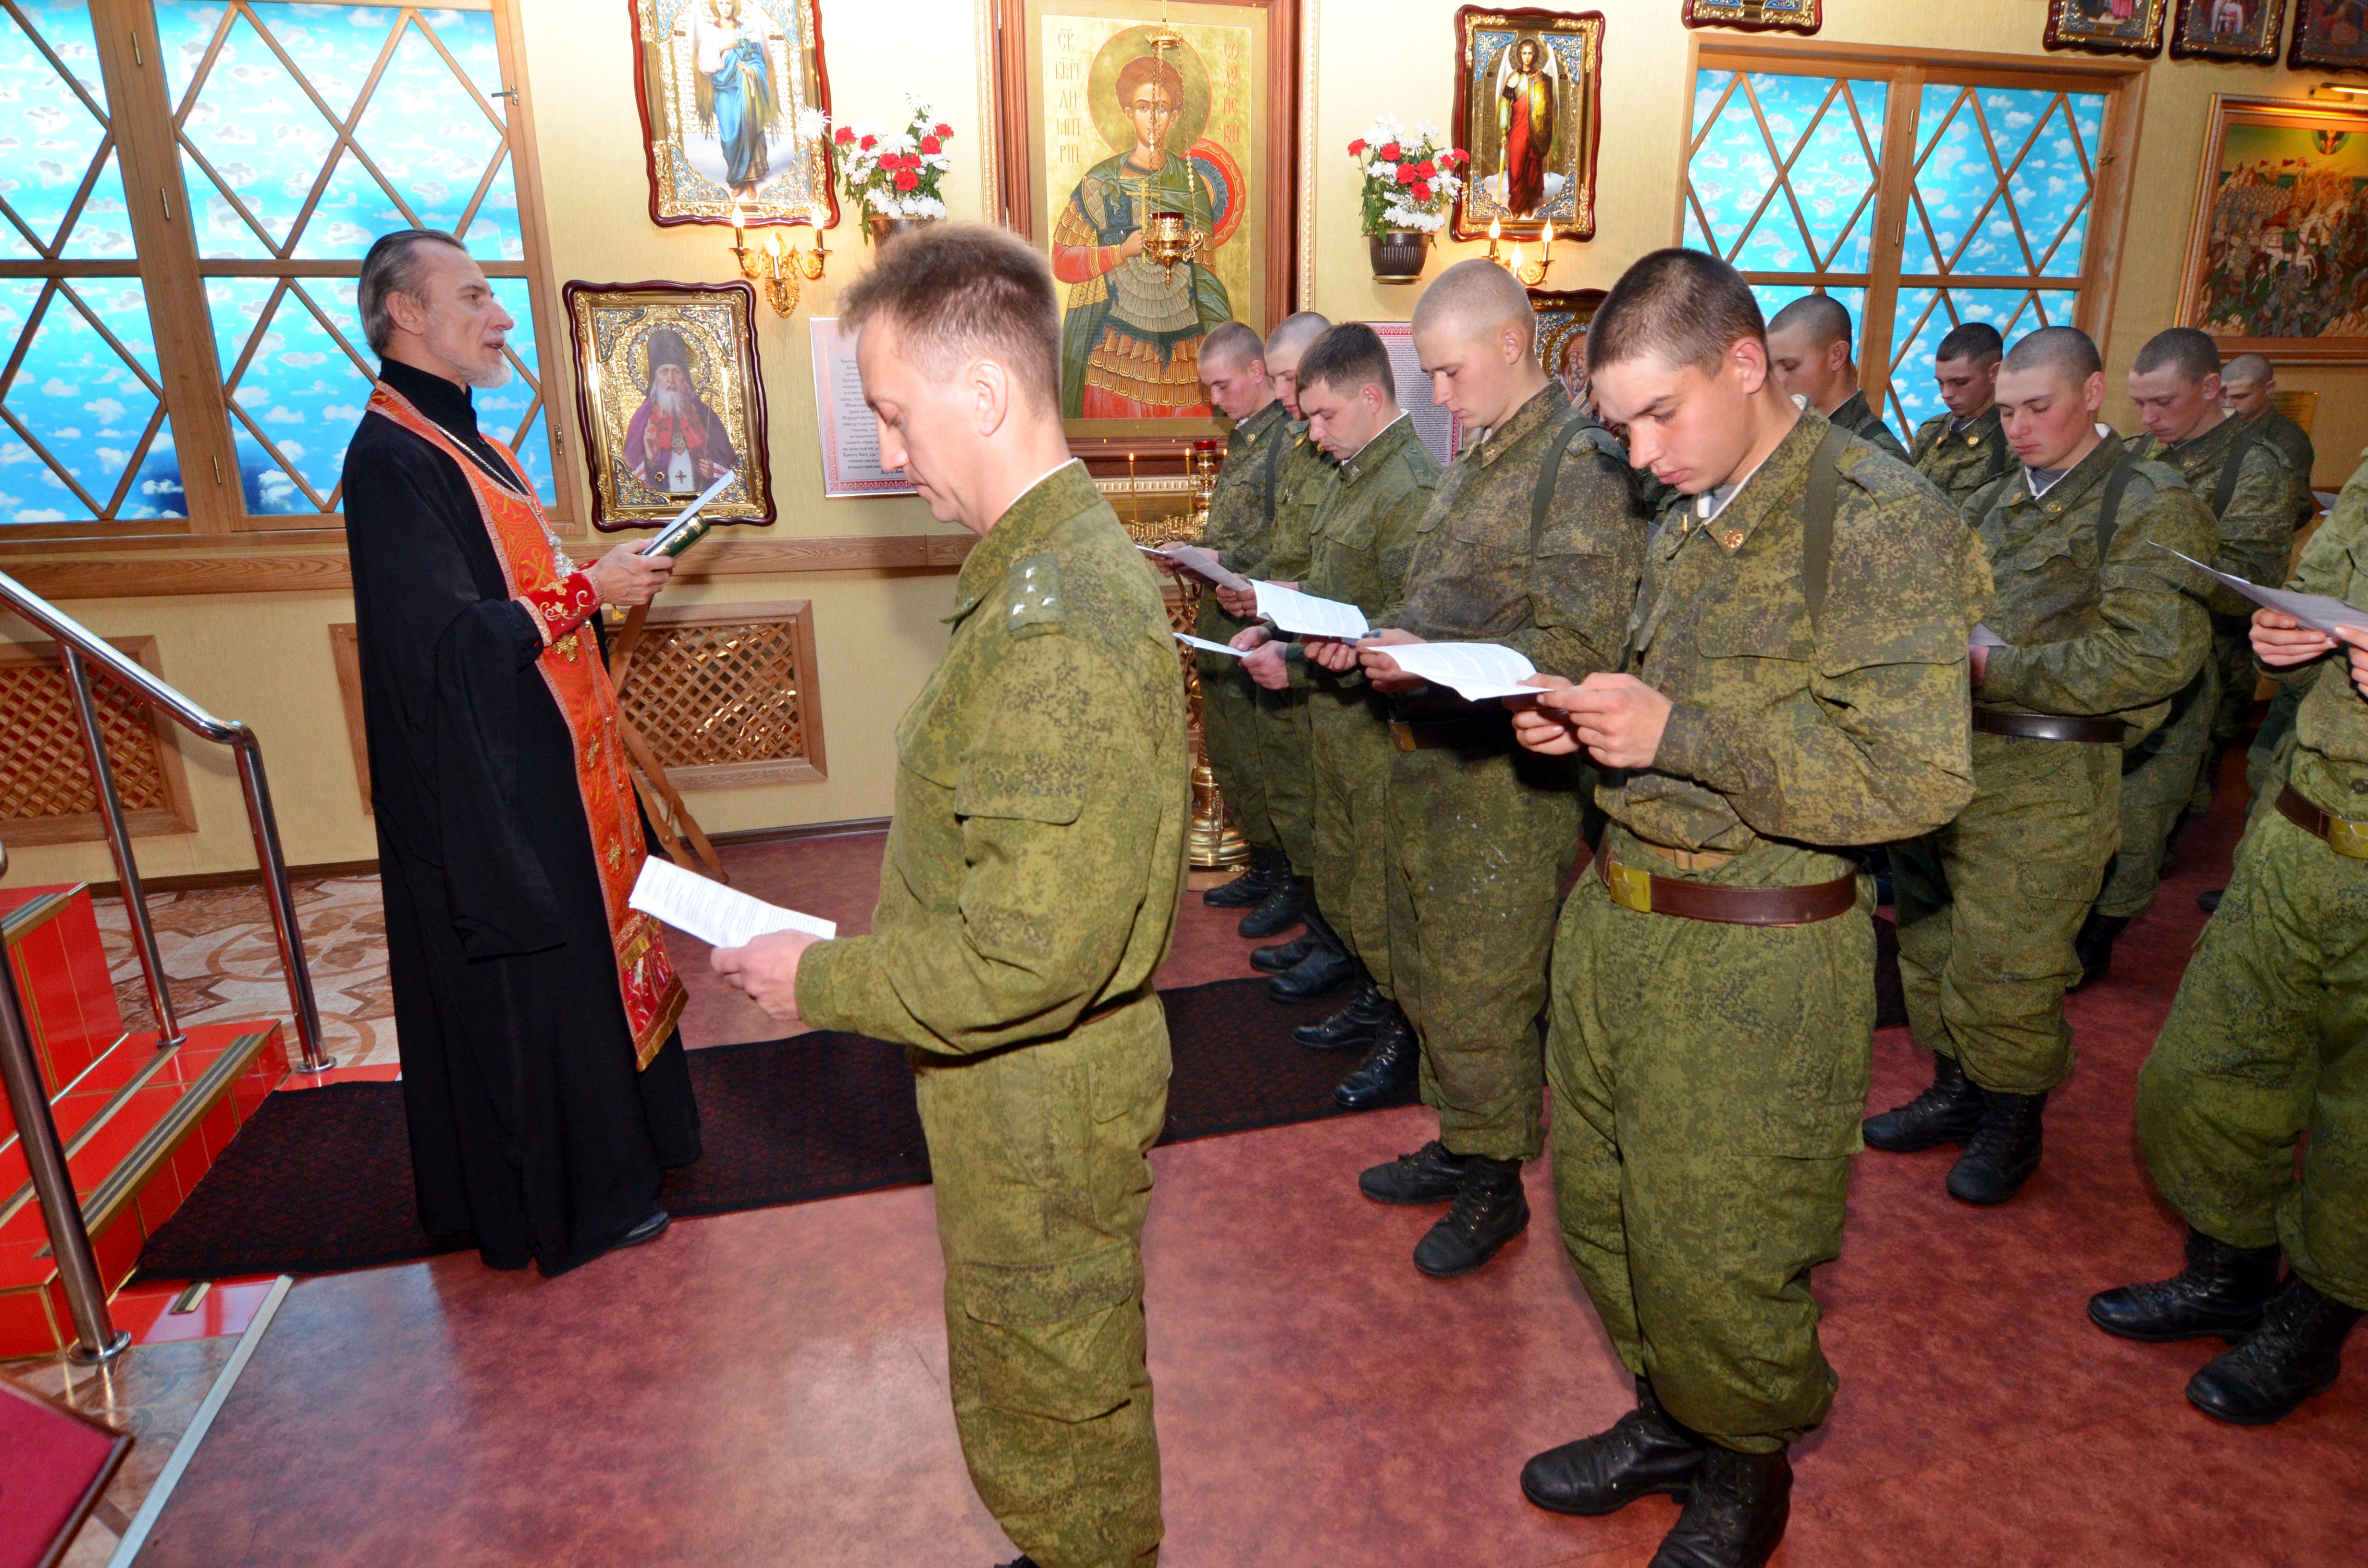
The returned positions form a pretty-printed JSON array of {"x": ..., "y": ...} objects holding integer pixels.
[
  {"x": 1410, "y": 177},
  {"x": 895, "y": 174}
]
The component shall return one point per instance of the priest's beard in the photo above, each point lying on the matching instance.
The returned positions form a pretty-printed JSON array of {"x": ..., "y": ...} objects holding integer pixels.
[
  {"x": 671, "y": 403},
  {"x": 497, "y": 374}
]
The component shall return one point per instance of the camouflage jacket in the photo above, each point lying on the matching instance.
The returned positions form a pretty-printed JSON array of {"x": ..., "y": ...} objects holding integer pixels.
[
  {"x": 1961, "y": 462},
  {"x": 1305, "y": 481},
  {"x": 1241, "y": 518},
  {"x": 1477, "y": 576},
  {"x": 2292, "y": 443},
  {"x": 1037, "y": 854},
  {"x": 2257, "y": 529},
  {"x": 2087, "y": 638},
  {"x": 1847, "y": 727},
  {"x": 2331, "y": 757},
  {"x": 1853, "y": 414},
  {"x": 1364, "y": 532}
]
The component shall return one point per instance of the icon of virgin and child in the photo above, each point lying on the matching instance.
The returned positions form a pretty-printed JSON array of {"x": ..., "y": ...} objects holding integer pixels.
[{"x": 1131, "y": 338}]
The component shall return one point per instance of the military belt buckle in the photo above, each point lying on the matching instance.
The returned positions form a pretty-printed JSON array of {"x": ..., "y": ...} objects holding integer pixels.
[
  {"x": 2347, "y": 838},
  {"x": 1632, "y": 887}
]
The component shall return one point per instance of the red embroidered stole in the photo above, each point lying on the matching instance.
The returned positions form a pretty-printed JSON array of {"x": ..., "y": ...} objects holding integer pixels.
[{"x": 571, "y": 667}]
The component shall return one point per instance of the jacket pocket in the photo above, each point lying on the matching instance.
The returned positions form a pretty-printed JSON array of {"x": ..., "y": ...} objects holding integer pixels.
[
  {"x": 1843, "y": 648},
  {"x": 1752, "y": 630}
]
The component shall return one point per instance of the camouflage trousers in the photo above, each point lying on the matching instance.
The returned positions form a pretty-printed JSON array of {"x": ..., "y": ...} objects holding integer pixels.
[
  {"x": 1989, "y": 906},
  {"x": 2232, "y": 655},
  {"x": 1479, "y": 843},
  {"x": 1708, "y": 1082},
  {"x": 1287, "y": 769},
  {"x": 1350, "y": 730},
  {"x": 2272, "y": 747},
  {"x": 2266, "y": 1048},
  {"x": 2158, "y": 777},
  {"x": 1041, "y": 1186}
]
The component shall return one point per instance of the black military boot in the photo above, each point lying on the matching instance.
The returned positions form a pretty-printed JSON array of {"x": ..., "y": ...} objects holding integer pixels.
[
  {"x": 2296, "y": 1355},
  {"x": 1020, "y": 1563},
  {"x": 1328, "y": 968},
  {"x": 1429, "y": 1175},
  {"x": 1643, "y": 1452},
  {"x": 2094, "y": 947},
  {"x": 1947, "y": 1112},
  {"x": 2209, "y": 901},
  {"x": 2221, "y": 1291},
  {"x": 1352, "y": 1026},
  {"x": 1285, "y": 955},
  {"x": 1251, "y": 887},
  {"x": 1491, "y": 1209},
  {"x": 2003, "y": 1151},
  {"x": 1389, "y": 1071},
  {"x": 1283, "y": 908},
  {"x": 1734, "y": 1512}
]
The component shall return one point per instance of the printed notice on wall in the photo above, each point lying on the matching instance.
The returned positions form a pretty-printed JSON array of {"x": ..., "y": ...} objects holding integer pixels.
[
  {"x": 1442, "y": 431},
  {"x": 850, "y": 437}
]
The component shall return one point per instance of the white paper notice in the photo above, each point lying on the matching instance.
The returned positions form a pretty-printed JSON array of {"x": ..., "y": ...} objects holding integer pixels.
[
  {"x": 850, "y": 437},
  {"x": 2314, "y": 610},
  {"x": 1475, "y": 671},
  {"x": 1211, "y": 647},
  {"x": 718, "y": 915},
  {"x": 1201, "y": 563},
  {"x": 1983, "y": 637},
  {"x": 1441, "y": 430},
  {"x": 1308, "y": 616}
]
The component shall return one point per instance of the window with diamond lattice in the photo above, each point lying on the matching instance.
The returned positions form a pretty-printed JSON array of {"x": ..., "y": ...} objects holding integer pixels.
[
  {"x": 186, "y": 191},
  {"x": 725, "y": 694},
  {"x": 1919, "y": 195}
]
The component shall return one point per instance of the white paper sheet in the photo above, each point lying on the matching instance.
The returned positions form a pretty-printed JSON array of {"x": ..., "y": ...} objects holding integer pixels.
[
  {"x": 718, "y": 915},
  {"x": 1201, "y": 563},
  {"x": 1308, "y": 616},
  {"x": 1475, "y": 671},
  {"x": 1211, "y": 647},
  {"x": 1983, "y": 637},
  {"x": 2314, "y": 610}
]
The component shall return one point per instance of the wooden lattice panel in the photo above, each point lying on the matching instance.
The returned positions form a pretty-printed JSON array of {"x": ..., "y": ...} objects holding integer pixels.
[
  {"x": 725, "y": 694},
  {"x": 46, "y": 794}
]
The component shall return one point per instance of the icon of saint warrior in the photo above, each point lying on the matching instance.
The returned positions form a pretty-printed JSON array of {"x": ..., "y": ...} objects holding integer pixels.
[{"x": 1130, "y": 339}]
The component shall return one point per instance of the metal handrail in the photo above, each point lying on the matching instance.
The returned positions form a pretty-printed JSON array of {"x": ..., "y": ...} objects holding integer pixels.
[
  {"x": 95, "y": 1336},
  {"x": 75, "y": 643}
]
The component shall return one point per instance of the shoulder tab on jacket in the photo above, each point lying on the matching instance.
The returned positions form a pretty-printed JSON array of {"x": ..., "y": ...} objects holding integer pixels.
[{"x": 1032, "y": 605}]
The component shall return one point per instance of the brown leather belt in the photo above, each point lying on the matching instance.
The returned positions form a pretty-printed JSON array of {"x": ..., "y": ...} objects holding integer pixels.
[
  {"x": 2342, "y": 835},
  {"x": 1634, "y": 888},
  {"x": 2048, "y": 727},
  {"x": 1486, "y": 733}
]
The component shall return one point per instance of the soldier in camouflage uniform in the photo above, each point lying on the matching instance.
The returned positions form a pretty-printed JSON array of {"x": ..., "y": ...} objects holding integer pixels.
[
  {"x": 2100, "y": 628},
  {"x": 1363, "y": 538},
  {"x": 1316, "y": 961},
  {"x": 2175, "y": 381},
  {"x": 2266, "y": 1048},
  {"x": 1240, "y": 532},
  {"x": 1963, "y": 449},
  {"x": 1034, "y": 866},
  {"x": 1481, "y": 834},
  {"x": 1795, "y": 686},
  {"x": 1809, "y": 348}
]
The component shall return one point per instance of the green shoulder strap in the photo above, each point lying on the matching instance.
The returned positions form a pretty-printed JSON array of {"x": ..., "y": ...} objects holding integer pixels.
[
  {"x": 1818, "y": 518},
  {"x": 2108, "y": 515},
  {"x": 2232, "y": 471},
  {"x": 1274, "y": 451},
  {"x": 1574, "y": 426}
]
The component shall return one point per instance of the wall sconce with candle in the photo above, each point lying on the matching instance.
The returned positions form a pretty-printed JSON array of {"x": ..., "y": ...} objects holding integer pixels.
[
  {"x": 776, "y": 265},
  {"x": 1531, "y": 273}
]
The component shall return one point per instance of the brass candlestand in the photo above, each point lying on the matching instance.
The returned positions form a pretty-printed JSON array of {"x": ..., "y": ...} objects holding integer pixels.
[{"x": 1213, "y": 842}]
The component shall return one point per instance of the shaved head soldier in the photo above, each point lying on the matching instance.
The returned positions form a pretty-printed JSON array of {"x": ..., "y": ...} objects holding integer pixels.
[
  {"x": 1794, "y": 685},
  {"x": 1963, "y": 449},
  {"x": 1038, "y": 847},
  {"x": 1533, "y": 541},
  {"x": 1809, "y": 349},
  {"x": 2096, "y": 628},
  {"x": 2175, "y": 381}
]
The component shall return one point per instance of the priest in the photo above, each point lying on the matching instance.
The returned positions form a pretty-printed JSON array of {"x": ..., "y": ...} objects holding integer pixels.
[{"x": 534, "y": 1011}]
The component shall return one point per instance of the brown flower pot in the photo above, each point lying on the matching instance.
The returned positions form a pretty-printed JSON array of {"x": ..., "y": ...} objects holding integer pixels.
[
  {"x": 884, "y": 228},
  {"x": 1398, "y": 255}
]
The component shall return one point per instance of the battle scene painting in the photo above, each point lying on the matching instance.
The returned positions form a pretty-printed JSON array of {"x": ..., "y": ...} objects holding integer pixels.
[{"x": 2283, "y": 248}]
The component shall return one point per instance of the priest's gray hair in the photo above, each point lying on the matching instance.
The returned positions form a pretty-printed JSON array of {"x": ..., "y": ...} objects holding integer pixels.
[
  {"x": 961, "y": 293},
  {"x": 392, "y": 268}
]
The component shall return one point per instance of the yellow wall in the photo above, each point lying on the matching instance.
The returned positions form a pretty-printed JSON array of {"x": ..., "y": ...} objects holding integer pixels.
[{"x": 265, "y": 658}]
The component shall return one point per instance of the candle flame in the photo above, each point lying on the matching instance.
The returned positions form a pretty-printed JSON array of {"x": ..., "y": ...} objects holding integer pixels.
[
  {"x": 1547, "y": 240},
  {"x": 773, "y": 246},
  {"x": 1496, "y": 227},
  {"x": 1517, "y": 255}
]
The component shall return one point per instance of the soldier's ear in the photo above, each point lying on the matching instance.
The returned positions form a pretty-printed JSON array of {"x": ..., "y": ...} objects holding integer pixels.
[{"x": 991, "y": 393}]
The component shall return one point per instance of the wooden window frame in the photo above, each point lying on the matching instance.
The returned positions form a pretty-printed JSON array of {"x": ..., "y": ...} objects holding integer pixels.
[
  {"x": 165, "y": 262},
  {"x": 2122, "y": 82}
]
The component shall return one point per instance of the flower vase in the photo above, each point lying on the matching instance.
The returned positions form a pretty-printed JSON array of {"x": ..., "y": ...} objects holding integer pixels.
[
  {"x": 884, "y": 228},
  {"x": 1398, "y": 255}
]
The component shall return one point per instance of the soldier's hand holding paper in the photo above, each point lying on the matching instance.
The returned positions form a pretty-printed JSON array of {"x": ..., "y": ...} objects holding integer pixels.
[{"x": 1617, "y": 718}]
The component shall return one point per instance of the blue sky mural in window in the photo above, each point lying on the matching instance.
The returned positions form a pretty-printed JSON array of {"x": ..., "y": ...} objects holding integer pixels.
[
  {"x": 1783, "y": 173},
  {"x": 1926, "y": 315},
  {"x": 2033, "y": 221},
  {"x": 82, "y": 433}
]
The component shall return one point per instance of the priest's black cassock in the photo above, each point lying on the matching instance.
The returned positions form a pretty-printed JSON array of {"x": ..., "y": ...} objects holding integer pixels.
[{"x": 532, "y": 1123}]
